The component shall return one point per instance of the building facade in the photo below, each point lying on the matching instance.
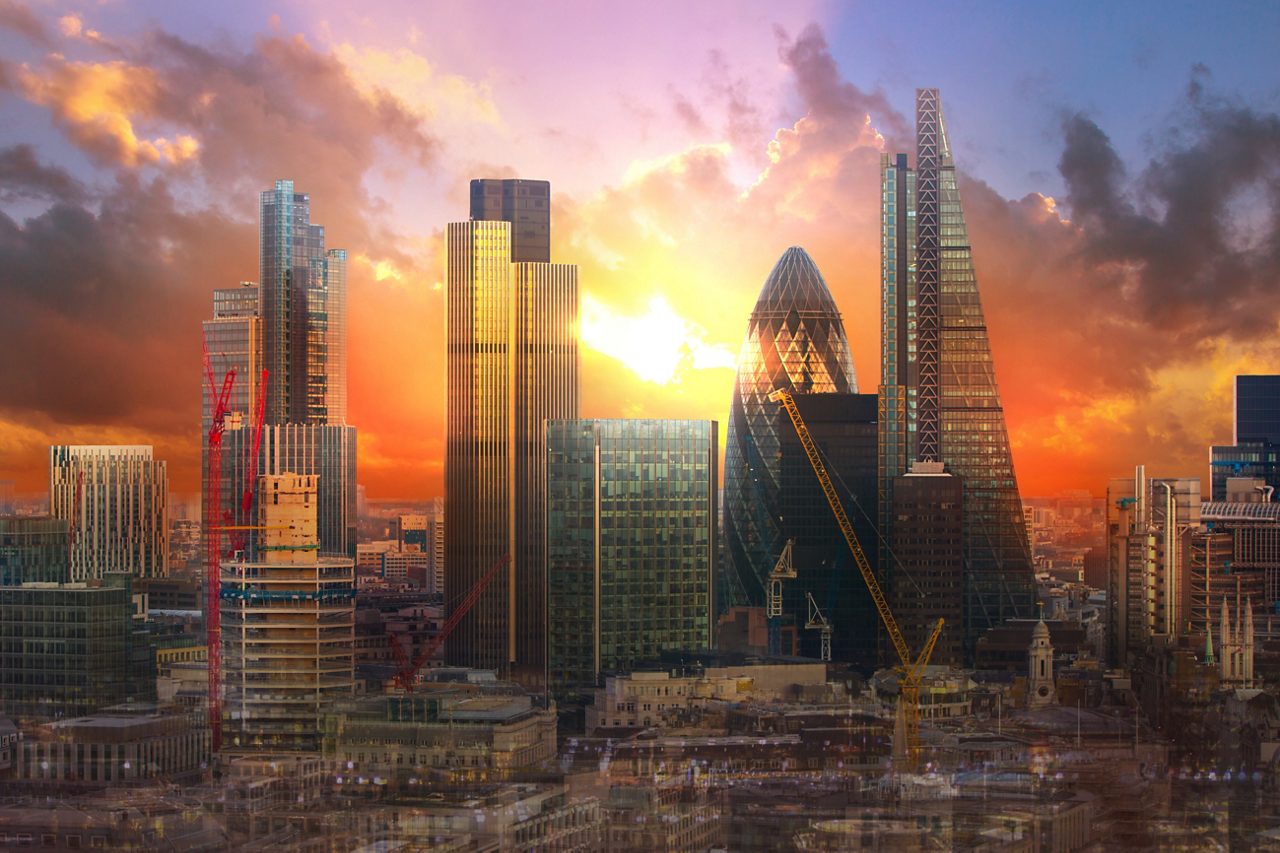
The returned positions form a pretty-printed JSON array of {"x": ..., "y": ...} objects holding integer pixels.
[
  {"x": 928, "y": 560},
  {"x": 631, "y": 544},
  {"x": 303, "y": 302},
  {"x": 526, "y": 205},
  {"x": 939, "y": 400},
  {"x": 233, "y": 339},
  {"x": 68, "y": 649},
  {"x": 115, "y": 499},
  {"x": 288, "y": 626},
  {"x": 795, "y": 341},
  {"x": 843, "y": 426},
  {"x": 1255, "y": 448},
  {"x": 33, "y": 550},
  {"x": 325, "y": 451},
  {"x": 512, "y": 366}
]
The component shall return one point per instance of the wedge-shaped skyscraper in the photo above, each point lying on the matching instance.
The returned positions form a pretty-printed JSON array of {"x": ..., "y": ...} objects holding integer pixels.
[
  {"x": 938, "y": 395},
  {"x": 795, "y": 340}
]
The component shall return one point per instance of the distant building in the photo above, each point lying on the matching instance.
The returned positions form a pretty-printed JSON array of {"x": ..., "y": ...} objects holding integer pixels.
[
  {"x": 113, "y": 748},
  {"x": 288, "y": 626},
  {"x": 1255, "y": 448},
  {"x": 34, "y": 549},
  {"x": 631, "y": 544},
  {"x": 233, "y": 339},
  {"x": 116, "y": 500},
  {"x": 464, "y": 735},
  {"x": 1150, "y": 527}
]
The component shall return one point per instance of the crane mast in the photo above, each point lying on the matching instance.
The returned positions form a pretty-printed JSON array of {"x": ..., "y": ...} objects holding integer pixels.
[{"x": 911, "y": 670}]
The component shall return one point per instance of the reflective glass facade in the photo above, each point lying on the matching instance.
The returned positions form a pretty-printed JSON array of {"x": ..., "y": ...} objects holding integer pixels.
[
  {"x": 477, "y": 478},
  {"x": 234, "y": 339},
  {"x": 65, "y": 649},
  {"x": 116, "y": 499},
  {"x": 33, "y": 550},
  {"x": 526, "y": 205},
  {"x": 512, "y": 366},
  {"x": 940, "y": 396},
  {"x": 631, "y": 544},
  {"x": 795, "y": 340},
  {"x": 304, "y": 308},
  {"x": 1256, "y": 452},
  {"x": 327, "y": 451}
]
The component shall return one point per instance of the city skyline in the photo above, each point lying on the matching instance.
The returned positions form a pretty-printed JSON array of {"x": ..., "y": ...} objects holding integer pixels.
[{"x": 771, "y": 142}]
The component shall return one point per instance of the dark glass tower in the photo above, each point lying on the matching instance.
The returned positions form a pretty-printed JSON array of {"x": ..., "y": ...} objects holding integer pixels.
[
  {"x": 526, "y": 205},
  {"x": 795, "y": 340},
  {"x": 1255, "y": 453},
  {"x": 939, "y": 400}
]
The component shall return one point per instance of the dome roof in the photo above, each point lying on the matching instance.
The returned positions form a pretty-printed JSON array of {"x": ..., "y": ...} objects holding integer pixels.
[{"x": 795, "y": 284}]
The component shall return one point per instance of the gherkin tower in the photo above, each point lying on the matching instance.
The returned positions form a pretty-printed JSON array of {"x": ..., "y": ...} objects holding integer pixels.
[{"x": 795, "y": 340}]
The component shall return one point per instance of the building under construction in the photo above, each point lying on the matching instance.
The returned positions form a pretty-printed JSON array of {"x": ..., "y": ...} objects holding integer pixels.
[{"x": 288, "y": 626}]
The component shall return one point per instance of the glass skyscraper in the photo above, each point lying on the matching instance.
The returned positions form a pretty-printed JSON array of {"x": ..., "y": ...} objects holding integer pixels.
[
  {"x": 1255, "y": 453},
  {"x": 526, "y": 205},
  {"x": 512, "y": 366},
  {"x": 304, "y": 312},
  {"x": 795, "y": 340},
  {"x": 631, "y": 544},
  {"x": 939, "y": 400}
]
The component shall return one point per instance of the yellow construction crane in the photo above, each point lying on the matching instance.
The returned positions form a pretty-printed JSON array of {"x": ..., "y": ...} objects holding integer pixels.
[{"x": 911, "y": 672}]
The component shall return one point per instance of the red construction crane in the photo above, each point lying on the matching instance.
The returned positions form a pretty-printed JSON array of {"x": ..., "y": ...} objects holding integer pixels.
[
  {"x": 219, "y": 405},
  {"x": 408, "y": 671},
  {"x": 251, "y": 475}
]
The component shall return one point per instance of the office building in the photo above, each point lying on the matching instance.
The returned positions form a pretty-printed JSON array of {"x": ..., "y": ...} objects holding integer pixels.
[
  {"x": 68, "y": 649},
  {"x": 1255, "y": 448},
  {"x": 1151, "y": 526},
  {"x": 459, "y": 734},
  {"x": 115, "y": 499},
  {"x": 34, "y": 550},
  {"x": 526, "y": 205},
  {"x": 843, "y": 426},
  {"x": 233, "y": 339},
  {"x": 325, "y": 451},
  {"x": 424, "y": 532},
  {"x": 631, "y": 545},
  {"x": 512, "y": 366},
  {"x": 288, "y": 626},
  {"x": 795, "y": 341},
  {"x": 939, "y": 400},
  {"x": 928, "y": 561},
  {"x": 303, "y": 303}
]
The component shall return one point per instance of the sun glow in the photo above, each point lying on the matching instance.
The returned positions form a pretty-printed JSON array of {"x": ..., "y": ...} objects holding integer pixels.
[{"x": 659, "y": 346}]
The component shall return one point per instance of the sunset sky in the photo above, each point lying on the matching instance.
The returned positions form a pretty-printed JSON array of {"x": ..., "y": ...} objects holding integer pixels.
[{"x": 1120, "y": 173}]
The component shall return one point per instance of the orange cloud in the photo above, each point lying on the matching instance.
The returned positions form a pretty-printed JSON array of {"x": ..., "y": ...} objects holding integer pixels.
[{"x": 100, "y": 103}]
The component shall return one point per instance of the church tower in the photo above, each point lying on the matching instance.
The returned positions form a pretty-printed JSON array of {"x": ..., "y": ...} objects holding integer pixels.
[{"x": 1040, "y": 688}]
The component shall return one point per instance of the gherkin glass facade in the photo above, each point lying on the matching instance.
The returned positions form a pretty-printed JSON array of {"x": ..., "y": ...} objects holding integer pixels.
[{"x": 795, "y": 340}]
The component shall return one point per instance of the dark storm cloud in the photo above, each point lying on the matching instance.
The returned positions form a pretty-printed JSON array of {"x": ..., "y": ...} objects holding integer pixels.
[
  {"x": 103, "y": 294},
  {"x": 1197, "y": 232},
  {"x": 23, "y": 177},
  {"x": 828, "y": 95},
  {"x": 100, "y": 309}
]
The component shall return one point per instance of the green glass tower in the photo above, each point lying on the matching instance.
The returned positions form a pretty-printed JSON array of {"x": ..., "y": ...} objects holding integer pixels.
[
  {"x": 938, "y": 396},
  {"x": 631, "y": 544}
]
